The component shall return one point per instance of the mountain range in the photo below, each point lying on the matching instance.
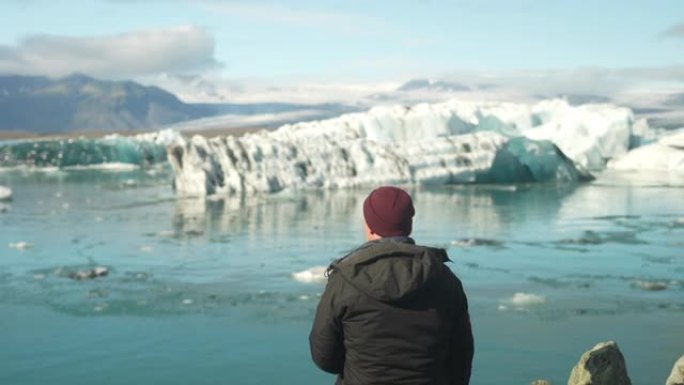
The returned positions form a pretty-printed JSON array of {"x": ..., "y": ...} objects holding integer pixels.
[{"x": 79, "y": 102}]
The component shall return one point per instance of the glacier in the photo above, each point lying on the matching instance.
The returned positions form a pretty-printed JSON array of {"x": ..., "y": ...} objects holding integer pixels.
[
  {"x": 112, "y": 151},
  {"x": 443, "y": 143}
]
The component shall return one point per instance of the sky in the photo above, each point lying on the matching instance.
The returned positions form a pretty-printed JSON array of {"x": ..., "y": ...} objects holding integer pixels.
[{"x": 605, "y": 42}]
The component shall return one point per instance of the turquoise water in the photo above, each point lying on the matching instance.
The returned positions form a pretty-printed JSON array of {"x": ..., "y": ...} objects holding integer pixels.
[{"x": 200, "y": 291}]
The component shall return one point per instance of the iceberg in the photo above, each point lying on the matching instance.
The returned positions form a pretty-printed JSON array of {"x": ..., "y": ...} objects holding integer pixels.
[
  {"x": 81, "y": 153},
  {"x": 443, "y": 143},
  {"x": 667, "y": 154}
]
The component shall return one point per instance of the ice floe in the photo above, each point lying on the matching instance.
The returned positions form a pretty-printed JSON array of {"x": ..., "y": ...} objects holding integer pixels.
[
  {"x": 5, "y": 193},
  {"x": 20, "y": 245},
  {"x": 526, "y": 299}
]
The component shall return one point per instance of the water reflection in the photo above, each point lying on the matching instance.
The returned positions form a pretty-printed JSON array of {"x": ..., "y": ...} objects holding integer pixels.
[{"x": 473, "y": 211}]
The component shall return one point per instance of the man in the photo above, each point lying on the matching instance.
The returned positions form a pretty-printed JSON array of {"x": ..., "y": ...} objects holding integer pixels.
[{"x": 392, "y": 311}]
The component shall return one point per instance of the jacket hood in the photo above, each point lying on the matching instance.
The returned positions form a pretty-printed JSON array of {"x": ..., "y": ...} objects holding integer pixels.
[{"x": 391, "y": 269}]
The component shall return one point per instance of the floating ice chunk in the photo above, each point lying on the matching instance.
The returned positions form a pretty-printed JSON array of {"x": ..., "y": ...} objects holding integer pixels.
[
  {"x": 649, "y": 285},
  {"x": 20, "y": 245},
  {"x": 187, "y": 301},
  {"x": 314, "y": 274},
  {"x": 146, "y": 249},
  {"x": 472, "y": 242},
  {"x": 526, "y": 299},
  {"x": 97, "y": 271},
  {"x": 666, "y": 155},
  {"x": 5, "y": 193}
]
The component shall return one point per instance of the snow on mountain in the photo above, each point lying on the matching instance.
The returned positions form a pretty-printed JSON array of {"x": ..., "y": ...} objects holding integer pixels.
[{"x": 451, "y": 142}]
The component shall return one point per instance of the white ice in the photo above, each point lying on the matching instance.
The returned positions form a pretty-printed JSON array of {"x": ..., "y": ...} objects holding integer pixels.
[
  {"x": 20, "y": 245},
  {"x": 526, "y": 299},
  {"x": 314, "y": 274},
  {"x": 448, "y": 142},
  {"x": 5, "y": 193},
  {"x": 667, "y": 154},
  {"x": 112, "y": 167}
]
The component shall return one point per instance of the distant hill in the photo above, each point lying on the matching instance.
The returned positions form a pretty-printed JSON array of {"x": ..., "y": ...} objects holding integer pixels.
[{"x": 81, "y": 103}]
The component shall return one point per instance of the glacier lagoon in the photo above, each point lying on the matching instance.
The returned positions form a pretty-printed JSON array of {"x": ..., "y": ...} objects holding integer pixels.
[
  {"x": 200, "y": 290},
  {"x": 222, "y": 289}
]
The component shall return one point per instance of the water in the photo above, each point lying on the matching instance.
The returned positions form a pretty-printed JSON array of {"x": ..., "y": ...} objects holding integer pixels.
[{"x": 200, "y": 291}]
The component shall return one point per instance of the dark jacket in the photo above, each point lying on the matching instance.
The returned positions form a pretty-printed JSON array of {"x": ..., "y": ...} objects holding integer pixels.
[{"x": 393, "y": 313}]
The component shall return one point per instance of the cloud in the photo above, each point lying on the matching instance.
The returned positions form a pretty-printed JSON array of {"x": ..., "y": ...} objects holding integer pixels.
[
  {"x": 675, "y": 31},
  {"x": 588, "y": 80},
  {"x": 178, "y": 49}
]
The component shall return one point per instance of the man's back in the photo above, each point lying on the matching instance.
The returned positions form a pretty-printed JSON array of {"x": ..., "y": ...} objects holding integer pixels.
[{"x": 393, "y": 313}]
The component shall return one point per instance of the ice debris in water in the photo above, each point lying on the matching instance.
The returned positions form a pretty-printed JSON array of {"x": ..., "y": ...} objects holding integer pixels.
[
  {"x": 5, "y": 193},
  {"x": 526, "y": 299},
  {"x": 314, "y": 274},
  {"x": 472, "y": 242},
  {"x": 97, "y": 271},
  {"x": 20, "y": 245},
  {"x": 649, "y": 285}
]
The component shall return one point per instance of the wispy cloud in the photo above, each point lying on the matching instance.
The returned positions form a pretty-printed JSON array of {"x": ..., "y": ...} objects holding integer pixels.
[
  {"x": 676, "y": 30},
  {"x": 132, "y": 54}
]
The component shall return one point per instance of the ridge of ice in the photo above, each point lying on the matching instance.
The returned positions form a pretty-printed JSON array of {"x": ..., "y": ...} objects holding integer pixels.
[
  {"x": 451, "y": 142},
  {"x": 108, "y": 152}
]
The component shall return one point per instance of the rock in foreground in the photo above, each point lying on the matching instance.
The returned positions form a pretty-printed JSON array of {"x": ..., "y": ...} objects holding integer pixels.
[{"x": 602, "y": 365}]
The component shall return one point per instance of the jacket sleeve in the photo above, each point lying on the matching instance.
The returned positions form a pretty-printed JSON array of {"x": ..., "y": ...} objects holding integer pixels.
[
  {"x": 326, "y": 339},
  {"x": 462, "y": 343}
]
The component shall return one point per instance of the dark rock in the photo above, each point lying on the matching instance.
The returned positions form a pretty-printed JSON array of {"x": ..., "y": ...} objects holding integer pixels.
[{"x": 602, "y": 365}]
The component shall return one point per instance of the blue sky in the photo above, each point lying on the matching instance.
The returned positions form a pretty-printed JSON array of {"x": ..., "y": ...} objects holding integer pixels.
[{"x": 352, "y": 40}]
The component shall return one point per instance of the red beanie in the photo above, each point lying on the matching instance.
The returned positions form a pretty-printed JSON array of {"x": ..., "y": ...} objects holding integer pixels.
[{"x": 389, "y": 211}]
